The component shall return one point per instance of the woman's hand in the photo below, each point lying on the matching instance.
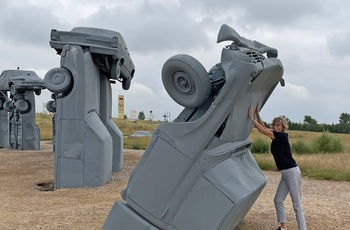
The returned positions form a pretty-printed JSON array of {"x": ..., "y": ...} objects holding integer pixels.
[
  {"x": 250, "y": 112},
  {"x": 257, "y": 109}
]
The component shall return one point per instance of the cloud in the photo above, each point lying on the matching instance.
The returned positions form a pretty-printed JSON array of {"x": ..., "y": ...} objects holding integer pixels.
[
  {"x": 154, "y": 30},
  {"x": 26, "y": 25},
  {"x": 338, "y": 44},
  {"x": 296, "y": 91}
]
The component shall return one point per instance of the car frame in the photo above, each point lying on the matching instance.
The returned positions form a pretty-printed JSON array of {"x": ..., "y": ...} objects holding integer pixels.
[{"x": 19, "y": 80}]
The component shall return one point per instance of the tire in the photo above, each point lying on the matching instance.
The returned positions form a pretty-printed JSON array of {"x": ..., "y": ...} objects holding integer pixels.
[
  {"x": 21, "y": 105},
  {"x": 126, "y": 82},
  {"x": 115, "y": 70},
  {"x": 37, "y": 92},
  {"x": 51, "y": 106},
  {"x": 58, "y": 80},
  {"x": 8, "y": 106},
  {"x": 186, "y": 80},
  {"x": 13, "y": 89}
]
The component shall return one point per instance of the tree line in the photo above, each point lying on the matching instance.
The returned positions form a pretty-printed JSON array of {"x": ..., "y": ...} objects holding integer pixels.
[{"x": 311, "y": 124}]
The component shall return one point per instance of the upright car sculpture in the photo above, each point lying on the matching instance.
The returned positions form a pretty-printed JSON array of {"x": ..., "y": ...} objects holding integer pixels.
[
  {"x": 198, "y": 172},
  {"x": 22, "y": 132},
  {"x": 88, "y": 145}
]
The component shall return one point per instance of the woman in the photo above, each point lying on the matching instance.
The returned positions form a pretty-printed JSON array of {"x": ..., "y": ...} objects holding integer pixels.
[{"x": 290, "y": 173}]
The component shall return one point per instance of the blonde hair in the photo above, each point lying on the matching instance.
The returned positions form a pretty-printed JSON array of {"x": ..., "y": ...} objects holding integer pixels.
[{"x": 282, "y": 120}]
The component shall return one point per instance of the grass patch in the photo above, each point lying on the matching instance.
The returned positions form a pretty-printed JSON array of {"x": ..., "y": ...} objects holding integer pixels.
[
  {"x": 44, "y": 122},
  {"x": 136, "y": 142},
  {"x": 265, "y": 161},
  {"x": 128, "y": 127},
  {"x": 328, "y": 166},
  {"x": 323, "y": 156}
]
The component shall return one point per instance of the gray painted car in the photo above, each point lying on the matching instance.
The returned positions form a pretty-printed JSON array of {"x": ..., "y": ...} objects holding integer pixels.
[
  {"x": 112, "y": 55},
  {"x": 19, "y": 80},
  {"x": 198, "y": 171}
]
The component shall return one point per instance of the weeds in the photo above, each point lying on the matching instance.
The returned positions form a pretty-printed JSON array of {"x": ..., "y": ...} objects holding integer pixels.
[
  {"x": 260, "y": 146},
  {"x": 328, "y": 143},
  {"x": 302, "y": 147}
]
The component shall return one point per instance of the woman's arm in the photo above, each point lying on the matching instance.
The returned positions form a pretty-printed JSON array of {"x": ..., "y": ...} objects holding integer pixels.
[
  {"x": 259, "y": 124},
  {"x": 257, "y": 110}
]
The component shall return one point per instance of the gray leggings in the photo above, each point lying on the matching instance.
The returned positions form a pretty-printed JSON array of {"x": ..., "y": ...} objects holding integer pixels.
[{"x": 290, "y": 182}]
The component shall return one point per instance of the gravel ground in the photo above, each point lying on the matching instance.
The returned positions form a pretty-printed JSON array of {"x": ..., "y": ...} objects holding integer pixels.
[{"x": 28, "y": 202}]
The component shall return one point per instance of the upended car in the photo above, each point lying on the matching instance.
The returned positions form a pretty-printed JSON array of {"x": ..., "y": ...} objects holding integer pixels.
[
  {"x": 107, "y": 47},
  {"x": 21, "y": 80},
  {"x": 198, "y": 171}
]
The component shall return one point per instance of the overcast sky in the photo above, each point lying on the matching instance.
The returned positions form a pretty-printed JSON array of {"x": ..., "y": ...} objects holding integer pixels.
[{"x": 312, "y": 37}]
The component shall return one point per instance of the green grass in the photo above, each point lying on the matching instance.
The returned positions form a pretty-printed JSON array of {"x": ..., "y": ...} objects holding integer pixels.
[
  {"x": 44, "y": 122},
  {"x": 136, "y": 142},
  {"x": 324, "y": 166},
  {"x": 323, "y": 155}
]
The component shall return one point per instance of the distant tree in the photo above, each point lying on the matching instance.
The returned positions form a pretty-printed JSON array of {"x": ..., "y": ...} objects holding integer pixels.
[
  {"x": 141, "y": 115},
  {"x": 344, "y": 118},
  {"x": 125, "y": 116},
  {"x": 310, "y": 124},
  {"x": 309, "y": 120},
  {"x": 287, "y": 119}
]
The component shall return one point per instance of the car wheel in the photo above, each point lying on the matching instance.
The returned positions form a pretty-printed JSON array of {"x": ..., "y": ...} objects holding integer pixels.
[
  {"x": 51, "y": 106},
  {"x": 13, "y": 89},
  {"x": 37, "y": 92},
  {"x": 21, "y": 105},
  {"x": 186, "y": 80},
  {"x": 126, "y": 82},
  {"x": 115, "y": 70},
  {"x": 2, "y": 101},
  {"x": 8, "y": 106},
  {"x": 58, "y": 80}
]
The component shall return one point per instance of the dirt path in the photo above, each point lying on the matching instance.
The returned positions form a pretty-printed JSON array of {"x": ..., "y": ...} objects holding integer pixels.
[{"x": 27, "y": 201}]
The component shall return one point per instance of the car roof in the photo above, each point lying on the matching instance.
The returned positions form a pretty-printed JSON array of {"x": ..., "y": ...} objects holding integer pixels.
[{"x": 17, "y": 73}]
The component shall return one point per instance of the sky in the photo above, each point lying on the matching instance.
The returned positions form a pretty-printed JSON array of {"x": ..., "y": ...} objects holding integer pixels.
[{"x": 312, "y": 38}]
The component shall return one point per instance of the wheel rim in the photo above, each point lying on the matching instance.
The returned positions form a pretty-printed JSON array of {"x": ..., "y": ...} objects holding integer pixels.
[
  {"x": 183, "y": 83},
  {"x": 186, "y": 80}
]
